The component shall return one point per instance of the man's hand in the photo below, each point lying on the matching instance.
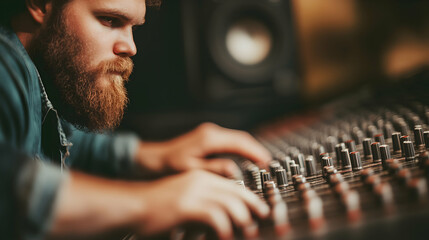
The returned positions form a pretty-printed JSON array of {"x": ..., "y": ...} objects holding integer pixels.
[
  {"x": 90, "y": 207},
  {"x": 200, "y": 197},
  {"x": 190, "y": 151}
]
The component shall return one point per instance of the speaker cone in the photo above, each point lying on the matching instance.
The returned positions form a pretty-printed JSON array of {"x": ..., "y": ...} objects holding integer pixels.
[{"x": 248, "y": 41}]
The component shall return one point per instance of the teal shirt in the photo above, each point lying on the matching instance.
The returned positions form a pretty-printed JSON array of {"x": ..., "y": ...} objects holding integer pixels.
[{"x": 35, "y": 152}]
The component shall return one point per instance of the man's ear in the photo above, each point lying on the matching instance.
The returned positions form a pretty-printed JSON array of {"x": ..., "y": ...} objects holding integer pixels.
[{"x": 39, "y": 9}]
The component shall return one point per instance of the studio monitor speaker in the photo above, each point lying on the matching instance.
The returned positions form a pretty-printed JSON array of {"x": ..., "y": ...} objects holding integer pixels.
[{"x": 240, "y": 52}]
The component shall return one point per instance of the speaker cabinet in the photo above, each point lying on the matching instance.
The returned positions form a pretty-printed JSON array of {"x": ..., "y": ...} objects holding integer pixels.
[{"x": 240, "y": 52}]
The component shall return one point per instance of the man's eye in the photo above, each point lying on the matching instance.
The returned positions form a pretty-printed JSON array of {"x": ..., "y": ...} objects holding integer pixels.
[{"x": 110, "y": 21}]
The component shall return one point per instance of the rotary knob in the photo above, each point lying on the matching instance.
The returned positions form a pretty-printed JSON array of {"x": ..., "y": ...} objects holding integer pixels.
[
  {"x": 356, "y": 161},
  {"x": 367, "y": 147},
  {"x": 418, "y": 136},
  {"x": 310, "y": 166},
  {"x": 375, "y": 149},
  {"x": 409, "y": 151},
  {"x": 294, "y": 168},
  {"x": 379, "y": 138},
  {"x": 345, "y": 158},
  {"x": 282, "y": 180},
  {"x": 350, "y": 144},
  {"x": 396, "y": 141},
  {"x": 403, "y": 139},
  {"x": 338, "y": 148},
  {"x": 426, "y": 138}
]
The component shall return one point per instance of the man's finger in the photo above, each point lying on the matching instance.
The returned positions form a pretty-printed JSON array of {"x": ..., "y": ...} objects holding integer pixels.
[
  {"x": 237, "y": 209},
  {"x": 255, "y": 204},
  {"x": 242, "y": 143},
  {"x": 216, "y": 218},
  {"x": 223, "y": 167}
]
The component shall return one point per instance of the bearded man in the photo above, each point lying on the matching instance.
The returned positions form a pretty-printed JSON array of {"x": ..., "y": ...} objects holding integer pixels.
[{"x": 63, "y": 65}]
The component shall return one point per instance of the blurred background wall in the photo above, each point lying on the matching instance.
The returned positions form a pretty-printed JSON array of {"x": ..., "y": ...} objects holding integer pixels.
[{"x": 320, "y": 51}]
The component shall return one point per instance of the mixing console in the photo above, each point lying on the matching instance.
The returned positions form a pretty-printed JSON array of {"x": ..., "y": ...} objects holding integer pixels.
[{"x": 356, "y": 171}]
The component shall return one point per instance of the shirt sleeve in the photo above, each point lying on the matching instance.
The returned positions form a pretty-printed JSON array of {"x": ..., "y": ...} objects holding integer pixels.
[
  {"x": 108, "y": 155},
  {"x": 28, "y": 191},
  {"x": 27, "y": 187}
]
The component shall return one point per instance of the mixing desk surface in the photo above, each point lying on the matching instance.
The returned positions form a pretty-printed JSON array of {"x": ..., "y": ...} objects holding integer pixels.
[{"x": 357, "y": 170}]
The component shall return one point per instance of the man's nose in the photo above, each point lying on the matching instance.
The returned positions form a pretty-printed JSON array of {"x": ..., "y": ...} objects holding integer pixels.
[{"x": 125, "y": 46}]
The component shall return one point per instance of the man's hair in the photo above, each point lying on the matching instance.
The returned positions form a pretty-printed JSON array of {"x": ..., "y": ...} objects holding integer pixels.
[{"x": 10, "y": 8}]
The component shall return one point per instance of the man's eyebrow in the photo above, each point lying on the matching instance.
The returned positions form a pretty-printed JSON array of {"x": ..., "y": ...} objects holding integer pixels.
[{"x": 119, "y": 14}]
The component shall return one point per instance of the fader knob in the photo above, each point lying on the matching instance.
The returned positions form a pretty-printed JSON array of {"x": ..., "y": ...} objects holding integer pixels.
[
  {"x": 366, "y": 173},
  {"x": 307, "y": 194},
  {"x": 385, "y": 152},
  {"x": 371, "y": 131},
  {"x": 396, "y": 141},
  {"x": 327, "y": 171},
  {"x": 410, "y": 153},
  {"x": 314, "y": 208},
  {"x": 385, "y": 155},
  {"x": 351, "y": 202},
  {"x": 367, "y": 147},
  {"x": 284, "y": 162},
  {"x": 403, "y": 139},
  {"x": 273, "y": 167},
  {"x": 265, "y": 177},
  {"x": 269, "y": 186},
  {"x": 303, "y": 187},
  {"x": 321, "y": 156},
  {"x": 356, "y": 161},
  {"x": 342, "y": 136},
  {"x": 310, "y": 166},
  {"x": 334, "y": 179},
  {"x": 418, "y": 136},
  {"x": 327, "y": 161},
  {"x": 282, "y": 180},
  {"x": 350, "y": 144},
  {"x": 423, "y": 160},
  {"x": 279, "y": 216},
  {"x": 345, "y": 159},
  {"x": 385, "y": 194},
  {"x": 404, "y": 175},
  {"x": 297, "y": 180},
  {"x": 426, "y": 138},
  {"x": 418, "y": 188},
  {"x": 388, "y": 129},
  {"x": 331, "y": 141},
  {"x": 300, "y": 161},
  {"x": 404, "y": 128},
  {"x": 394, "y": 167},
  {"x": 358, "y": 136},
  {"x": 317, "y": 150},
  {"x": 379, "y": 138},
  {"x": 338, "y": 148},
  {"x": 294, "y": 168},
  {"x": 375, "y": 149},
  {"x": 261, "y": 172},
  {"x": 341, "y": 188},
  {"x": 372, "y": 181}
]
